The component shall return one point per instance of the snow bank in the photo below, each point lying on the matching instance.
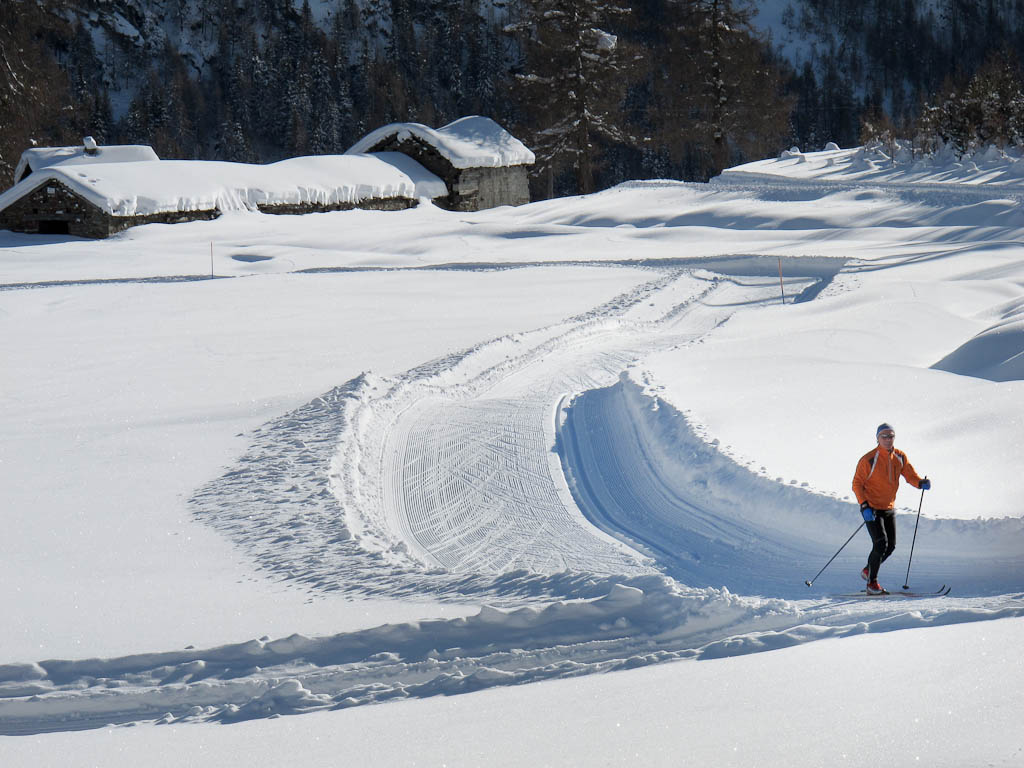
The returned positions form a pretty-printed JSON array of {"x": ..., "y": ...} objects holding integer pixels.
[
  {"x": 875, "y": 164},
  {"x": 639, "y": 471},
  {"x": 469, "y": 142},
  {"x": 996, "y": 354}
]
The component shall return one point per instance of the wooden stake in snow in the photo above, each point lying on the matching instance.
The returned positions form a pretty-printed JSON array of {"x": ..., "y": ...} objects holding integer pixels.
[{"x": 782, "y": 289}]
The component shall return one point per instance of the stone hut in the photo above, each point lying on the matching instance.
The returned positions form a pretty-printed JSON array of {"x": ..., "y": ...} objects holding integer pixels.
[
  {"x": 93, "y": 191},
  {"x": 481, "y": 164},
  {"x": 98, "y": 200}
]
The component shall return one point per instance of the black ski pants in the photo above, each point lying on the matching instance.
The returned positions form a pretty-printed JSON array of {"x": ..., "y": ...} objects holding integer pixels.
[{"x": 883, "y": 540}]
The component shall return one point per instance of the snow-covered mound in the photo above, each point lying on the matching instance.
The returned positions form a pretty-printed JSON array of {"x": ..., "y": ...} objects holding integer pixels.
[
  {"x": 997, "y": 353},
  {"x": 887, "y": 165}
]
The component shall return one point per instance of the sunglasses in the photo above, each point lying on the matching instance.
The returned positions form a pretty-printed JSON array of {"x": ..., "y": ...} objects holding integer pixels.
[{"x": 888, "y": 436}]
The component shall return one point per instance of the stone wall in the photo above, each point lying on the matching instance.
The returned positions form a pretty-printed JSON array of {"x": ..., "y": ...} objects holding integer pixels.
[
  {"x": 53, "y": 208},
  {"x": 117, "y": 223},
  {"x": 369, "y": 204},
  {"x": 480, "y": 188}
]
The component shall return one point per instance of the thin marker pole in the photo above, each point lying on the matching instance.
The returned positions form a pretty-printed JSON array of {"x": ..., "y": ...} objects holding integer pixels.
[{"x": 782, "y": 290}]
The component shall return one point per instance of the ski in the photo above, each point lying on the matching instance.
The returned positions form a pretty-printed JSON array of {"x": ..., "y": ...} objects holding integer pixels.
[{"x": 940, "y": 592}]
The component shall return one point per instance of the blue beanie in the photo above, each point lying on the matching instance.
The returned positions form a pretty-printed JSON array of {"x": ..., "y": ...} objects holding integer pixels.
[{"x": 882, "y": 427}]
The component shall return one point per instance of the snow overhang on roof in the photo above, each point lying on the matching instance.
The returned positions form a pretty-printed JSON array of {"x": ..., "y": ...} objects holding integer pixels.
[
  {"x": 469, "y": 142},
  {"x": 37, "y": 159},
  {"x": 162, "y": 186}
]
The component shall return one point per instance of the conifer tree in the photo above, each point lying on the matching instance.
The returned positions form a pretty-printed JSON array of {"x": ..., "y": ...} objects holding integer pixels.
[
  {"x": 35, "y": 99},
  {"x": 572, "y": 81},
  {"x": 719, "y": 96}
]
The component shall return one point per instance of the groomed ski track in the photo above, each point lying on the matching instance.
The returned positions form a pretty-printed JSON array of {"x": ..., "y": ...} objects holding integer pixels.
[{"x": 534, "y": 476}]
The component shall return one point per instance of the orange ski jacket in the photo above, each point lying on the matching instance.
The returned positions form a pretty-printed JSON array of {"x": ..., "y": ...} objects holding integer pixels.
[{"x": 878, "y": 477}]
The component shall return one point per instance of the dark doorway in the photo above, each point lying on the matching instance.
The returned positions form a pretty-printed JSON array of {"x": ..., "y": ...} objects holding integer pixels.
[{"x": 52, "y": 227}]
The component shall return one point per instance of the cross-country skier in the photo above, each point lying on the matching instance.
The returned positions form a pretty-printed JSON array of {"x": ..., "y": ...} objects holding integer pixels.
[{"x": 875, "y": 483}]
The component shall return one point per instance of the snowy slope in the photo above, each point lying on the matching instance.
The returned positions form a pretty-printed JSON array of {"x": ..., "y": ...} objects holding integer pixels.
[{"x": 585, "y": 436}]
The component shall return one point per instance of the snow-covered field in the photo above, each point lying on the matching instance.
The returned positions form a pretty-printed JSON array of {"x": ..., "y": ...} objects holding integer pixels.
[{"x": 544, "y": 483}]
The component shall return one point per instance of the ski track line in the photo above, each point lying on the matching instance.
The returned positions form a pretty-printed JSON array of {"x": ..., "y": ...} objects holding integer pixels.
[
  {"x": 640, "y": 621},
  {"x": 477, "y": 492}
]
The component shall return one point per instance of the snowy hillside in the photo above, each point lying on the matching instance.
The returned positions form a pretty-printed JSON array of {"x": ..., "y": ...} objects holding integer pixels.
[{"x": 464, "y": 465}]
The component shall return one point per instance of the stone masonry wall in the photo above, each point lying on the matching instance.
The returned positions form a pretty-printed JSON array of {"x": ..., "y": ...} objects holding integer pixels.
[
  {"x": 51, "y": 207},
  {"x": 370, "y": 204},
  {"x": 480, "y": 188}
]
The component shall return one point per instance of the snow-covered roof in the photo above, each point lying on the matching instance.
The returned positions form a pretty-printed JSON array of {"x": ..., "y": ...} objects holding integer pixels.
[
  {"x": 469, "y": 142},
  {"x": 45, "y": 157},
  {"x": 161, "y": 186}
]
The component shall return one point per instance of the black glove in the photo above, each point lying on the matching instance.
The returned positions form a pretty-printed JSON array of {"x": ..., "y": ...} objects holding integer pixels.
[{"x": 926, "y": 485}]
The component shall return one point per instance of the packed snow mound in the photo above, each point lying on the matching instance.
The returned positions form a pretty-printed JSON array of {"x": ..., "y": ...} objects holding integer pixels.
[
  {"x": 469, "y": 142},
  {"x": 38, "y": 158},
  {"x": 996, "y": 354},
  {"x": 890, "y": 165},
  {"x": 160, "y": 186}
]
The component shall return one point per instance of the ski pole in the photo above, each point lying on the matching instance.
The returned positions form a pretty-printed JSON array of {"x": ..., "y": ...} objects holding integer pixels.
[
  {"x": 914, "y": 541},
  {"x": 808, "y": 582}
]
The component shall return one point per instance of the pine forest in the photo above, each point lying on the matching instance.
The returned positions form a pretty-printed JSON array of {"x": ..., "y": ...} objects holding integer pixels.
[{"x": 602, "y": 90}]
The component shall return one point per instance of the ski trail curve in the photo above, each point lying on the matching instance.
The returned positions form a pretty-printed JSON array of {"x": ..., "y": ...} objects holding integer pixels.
[{"x": 469, "y": 477}]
